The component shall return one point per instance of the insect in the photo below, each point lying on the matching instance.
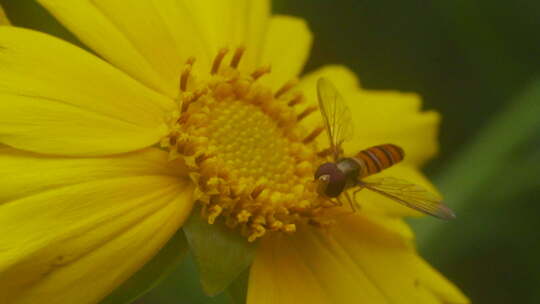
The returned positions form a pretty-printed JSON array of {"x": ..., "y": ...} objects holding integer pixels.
[{"x": 344, "y": 173}]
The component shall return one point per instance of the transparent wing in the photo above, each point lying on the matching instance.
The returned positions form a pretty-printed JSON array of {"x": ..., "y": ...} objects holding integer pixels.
[
  {"x": 410, "y": 195},
  {"x": 336, "y": 115}
]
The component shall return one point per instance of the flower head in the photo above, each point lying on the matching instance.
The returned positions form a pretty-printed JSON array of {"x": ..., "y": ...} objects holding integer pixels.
[
  {"x": 246, "y": 151},
  {"x": 194, "y": 102}
]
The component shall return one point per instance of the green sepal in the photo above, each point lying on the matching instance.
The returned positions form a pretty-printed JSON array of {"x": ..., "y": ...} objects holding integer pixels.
[
  {"x": 237, "y": 291},
  {"x": 167, "y": 259},
  {"x": 221, "y": 254}
]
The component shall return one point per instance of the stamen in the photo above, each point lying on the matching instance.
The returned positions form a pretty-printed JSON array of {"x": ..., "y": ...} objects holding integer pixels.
[
  {"x": 243, "y": 216},
  {"x": 298, "y": 99},
  {"x": 213, "y": 213},
  {"x": 289, "y": 228},
  {"x": 201, "y": 158},
  {"x": 196, "y": 95},
  {"x": 306, "y": 112},
  {"x": 217, "y": 61},
  {"x": 257, "y": 191},
  {"x": 260, "y": 72},
  {"x": 173, "y": 139},
  {"x": 185, "y": 74},
  {"x": 258, "y": 231},
  {"x": 237, "y": 56},
  {"x": 313, "y": 135},
  {"x": 325, "y": 153},
  {"x": 191, "y": 60},
  {"x": 286, "y": 87},
  {"x": 185, "y": 105}
]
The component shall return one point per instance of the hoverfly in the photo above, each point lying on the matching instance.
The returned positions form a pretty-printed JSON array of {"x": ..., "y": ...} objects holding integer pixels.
[{"x": 344, "y": 173}]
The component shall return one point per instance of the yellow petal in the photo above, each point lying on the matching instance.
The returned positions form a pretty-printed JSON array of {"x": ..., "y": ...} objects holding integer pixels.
[
  {"x": 3, "y": 18},
  {"x": 354, "y": 261},
  {"x": 259, "y": 21},
  {"x": 392, "y": 225},
  {"x": 286, "y": 49},
  {"x": 99, "y": 31},
  {"x": 304, "y": 268},
  {"x": 393, "y": 266},
  {"x": 152, "y": 39},
  {"x": 341, "y": 77},
  {"x": 232, "y": 23},
  {"x": 59, "y": 99},
  {"x": 88, "y": 226},
  {"x": 379, "y": 117},
  {"x": 25, "y": 173}
]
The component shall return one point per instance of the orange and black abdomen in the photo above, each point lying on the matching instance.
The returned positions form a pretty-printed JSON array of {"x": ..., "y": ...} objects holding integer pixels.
[{"x": 378, "y": 158}]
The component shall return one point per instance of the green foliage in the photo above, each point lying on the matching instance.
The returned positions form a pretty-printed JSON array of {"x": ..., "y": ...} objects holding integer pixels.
[
  {"x": 238, "y": 289},
  {"x": 29, "y": 14},
  {"x": 184, "y": 286},
  {"x": 168, "y": 258},
  {"x": 491, "y": 186},
  {"x": 490, "y": 161},
  {"x": 221, "y": 254}
]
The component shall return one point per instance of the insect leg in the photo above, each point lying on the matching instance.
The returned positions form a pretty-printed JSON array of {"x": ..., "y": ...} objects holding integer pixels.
[
  {"x": 338, "y": 202},
  {"x": 333, "y": 202},
  {"x": 355, "y": 193},
  {"x": 350, "y": 200}
]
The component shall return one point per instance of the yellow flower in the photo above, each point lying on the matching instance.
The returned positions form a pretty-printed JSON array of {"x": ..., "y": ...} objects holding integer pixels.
[{"x": 103, "y": 158}]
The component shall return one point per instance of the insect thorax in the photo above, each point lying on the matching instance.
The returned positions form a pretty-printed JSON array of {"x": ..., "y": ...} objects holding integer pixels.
[{"x": 351, "y": 168}]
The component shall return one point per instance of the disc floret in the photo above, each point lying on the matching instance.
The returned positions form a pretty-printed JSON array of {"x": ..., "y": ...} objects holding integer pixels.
[{"x": 249, "y": 157}]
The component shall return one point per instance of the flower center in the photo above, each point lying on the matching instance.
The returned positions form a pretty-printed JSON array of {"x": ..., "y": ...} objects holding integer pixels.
[{"x": 252, "y": 162}]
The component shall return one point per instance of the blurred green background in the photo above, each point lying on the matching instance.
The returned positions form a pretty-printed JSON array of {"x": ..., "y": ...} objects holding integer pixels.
[{"x": 475, "y": 61}]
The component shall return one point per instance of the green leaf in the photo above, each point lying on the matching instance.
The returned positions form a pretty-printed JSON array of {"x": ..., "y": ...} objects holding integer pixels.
[
  {"x": 152, "y": 273},
  {"x": 220, "y": 253},
  {"x": 514, "y": 180}
]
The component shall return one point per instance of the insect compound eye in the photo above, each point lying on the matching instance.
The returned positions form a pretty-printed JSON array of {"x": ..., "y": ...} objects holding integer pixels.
[
  {"x": 331, "y": 180},
  {"x": 325, "y": 169},
  {"x": 322, "y": 183}
]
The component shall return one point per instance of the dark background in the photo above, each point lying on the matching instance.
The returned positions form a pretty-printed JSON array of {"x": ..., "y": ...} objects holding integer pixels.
[{"x": 475, "y": 61}]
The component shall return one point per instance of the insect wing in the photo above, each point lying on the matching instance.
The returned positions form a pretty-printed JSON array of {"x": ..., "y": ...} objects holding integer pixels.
[
  {"x": 336, "y": 115},
  {"x": 410, "y": 195}
]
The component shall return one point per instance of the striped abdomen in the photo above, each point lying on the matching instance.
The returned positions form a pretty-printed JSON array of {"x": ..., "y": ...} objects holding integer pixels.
[{"x": 378, "y": 158}]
